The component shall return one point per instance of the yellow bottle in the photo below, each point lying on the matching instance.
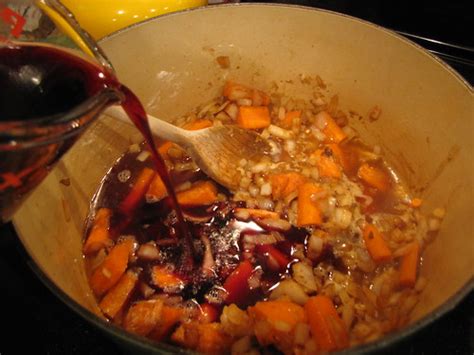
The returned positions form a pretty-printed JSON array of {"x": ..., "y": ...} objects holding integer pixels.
[{"x": 102, "y": 17}]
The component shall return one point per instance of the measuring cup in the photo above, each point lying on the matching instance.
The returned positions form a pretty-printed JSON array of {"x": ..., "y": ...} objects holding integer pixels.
[{"x": 55, "y": 81}]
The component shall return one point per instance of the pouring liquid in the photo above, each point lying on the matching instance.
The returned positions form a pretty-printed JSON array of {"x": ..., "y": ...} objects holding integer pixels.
[{"x": 41, "y": 81}]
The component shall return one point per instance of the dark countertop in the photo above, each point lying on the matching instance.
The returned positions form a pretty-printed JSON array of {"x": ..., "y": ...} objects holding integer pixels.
[{"x": 34, "y": 319}]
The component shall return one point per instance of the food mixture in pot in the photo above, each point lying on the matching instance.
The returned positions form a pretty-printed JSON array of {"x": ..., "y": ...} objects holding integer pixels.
[{"x": 318, "y": 250}]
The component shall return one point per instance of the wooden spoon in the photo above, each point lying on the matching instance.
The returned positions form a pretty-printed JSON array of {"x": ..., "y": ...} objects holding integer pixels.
[{"x": 216, "y": 150}]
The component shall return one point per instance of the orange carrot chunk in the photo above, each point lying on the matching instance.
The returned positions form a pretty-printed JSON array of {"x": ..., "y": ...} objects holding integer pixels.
[
  {"x": 237, "y": 285},
  {"x": 209, "y": 313},
  {"x": 287, "y": 121},
  {"x": 163, "y": 149},
  {"x": 99, "y": 237},
  {"x": 374, "y": 177},
  {"x": 136, "y": 195},
  {"x": 170, "y": 316},
  {"x": 165, "y": 279},
  {"x": 278, "y": 311},
  {"x": 327, "y": 163},
  {"x": 409, "y": 266},
  {"x": 198, "y": 124},
  {"x": 143, "y": 316},
  {"x": 253, "y": 117},
  {"x": 331, "y": 130},
  {"x": 212, "y": 339},
  {"x": 278, "y": 319},
  {"x": 112, "y": 268},
  {"x": 376, "y": 245},
  {"x": 284, "y": 184},
  {"x": 201, "y": 193},
  {"x": 157, "y": 188},
  {"x": 208, "y": 338},
  {"x": 416, "y": 202},
  {"x": 308, "y": 209},
  {"x": 114, "y": 300},
  {"x": 327, "y": 328}
]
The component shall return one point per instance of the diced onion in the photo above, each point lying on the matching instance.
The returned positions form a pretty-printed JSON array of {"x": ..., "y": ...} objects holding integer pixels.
[
  {"x": 232, "y": 110},
  {"x": 244, "y": 102},
  {"x": 279, "y": 132}
]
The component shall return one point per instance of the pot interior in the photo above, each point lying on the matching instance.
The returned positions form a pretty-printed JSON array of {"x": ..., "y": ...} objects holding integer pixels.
[{"x": 425, "y": 128}]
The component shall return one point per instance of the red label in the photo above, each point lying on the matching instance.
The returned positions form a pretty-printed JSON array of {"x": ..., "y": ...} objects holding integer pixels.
[{"x": 13, "y": 18}]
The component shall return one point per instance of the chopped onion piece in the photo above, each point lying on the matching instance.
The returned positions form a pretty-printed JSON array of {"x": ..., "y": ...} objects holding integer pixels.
[
  {"x": 266, "y": 189},
  {"x": 303, "y": 274},
  {"x": 279, "y": 132},
  {"x": 244, "y": 102},
  {"x": 232, "y": 110},
  {"x": 148, "y": 252},
  {"x": 276, "y": 224},
  {"x": 143, "y": 156}
]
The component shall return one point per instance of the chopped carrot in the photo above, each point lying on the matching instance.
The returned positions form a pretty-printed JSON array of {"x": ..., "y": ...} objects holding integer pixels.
[
  {"x": 409, "y": 266},
  {"x": 308, "y": 209},
  {"x": 253, "y": 117},
  {"x": 284, "y": 184},
  {"x": 209, "y": 313},
  {"x": 327, "y": 163},
  {"x": 275, "y": 259},
  {"x": 112, "y": 268},
  {"x": 190, "y": 126},
  {"x": 170, "y": 316},
  {"x": 278, "y": 311},
  {"x": 136, "y": 195},
  {"x": 327, "y": 328},
  {"x": 143, "y": 316},
  {"x": 416, "y": 202},
  {"x": 347, "y": 156},
  {"x": 114, "y": 300},
  {"x": 201, "y": 193},
  {"x": 163, "y": 149},
  {"x": 278, "y": 320},
  {"x": 374, "y": 177},
  {"x": 198, "y": 124},
  {"x": 179, "y": 336},
  {"x": 376, "y": 245},
  {"x": 331, "y": 130},
  {"x": 165, "y": 279},
  {"x": 236, "y": 284},
  {"x": 157, "y": 188},
  {"x": 234, "y": 92},
  {"x": 202, "y": 337},
  {"x": 256, "y": 213},
  {"x": 287, "y": 121},
  {"x": 99, "y": 237},
  {"x": 212, "y": 339}
]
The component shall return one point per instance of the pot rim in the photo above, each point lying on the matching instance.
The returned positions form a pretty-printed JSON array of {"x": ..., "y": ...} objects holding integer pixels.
[
  {"x": 149, "y": 346},
  {"x": 390, "y": 32}
]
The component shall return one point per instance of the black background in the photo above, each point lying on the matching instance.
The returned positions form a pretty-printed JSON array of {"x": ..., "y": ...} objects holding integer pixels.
[{"x": 33, "y": 319}]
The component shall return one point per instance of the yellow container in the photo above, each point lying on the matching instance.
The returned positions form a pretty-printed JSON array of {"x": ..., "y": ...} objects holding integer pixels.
[{"x": 102, "y": 17}]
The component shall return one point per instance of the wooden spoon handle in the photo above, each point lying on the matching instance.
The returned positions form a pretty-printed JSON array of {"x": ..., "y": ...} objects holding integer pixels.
[{"x": 159, "y": 128}]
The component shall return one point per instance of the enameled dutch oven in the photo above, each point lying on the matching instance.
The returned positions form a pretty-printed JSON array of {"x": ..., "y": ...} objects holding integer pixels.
[{"x": 426, "y": 130}]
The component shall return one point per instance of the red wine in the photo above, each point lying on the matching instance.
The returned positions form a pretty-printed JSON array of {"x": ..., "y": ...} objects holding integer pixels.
[
  {"x": 43, "y": 81},
  {"x": 137, "y": 114}
]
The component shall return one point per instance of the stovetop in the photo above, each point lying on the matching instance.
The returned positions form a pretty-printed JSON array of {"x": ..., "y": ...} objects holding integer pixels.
[{"x": 34, "y": 319}]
